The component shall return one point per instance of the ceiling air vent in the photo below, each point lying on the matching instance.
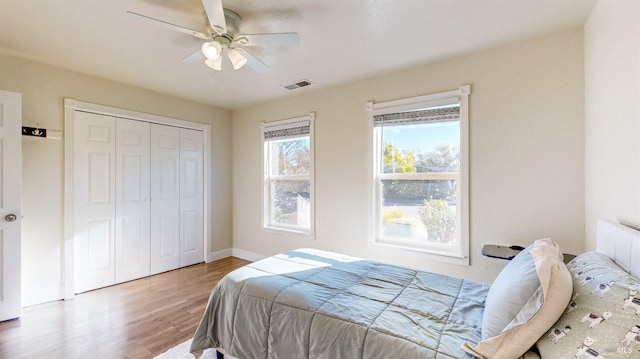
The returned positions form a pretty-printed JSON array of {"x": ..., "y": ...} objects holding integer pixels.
[{"x": 298, "y": 84}]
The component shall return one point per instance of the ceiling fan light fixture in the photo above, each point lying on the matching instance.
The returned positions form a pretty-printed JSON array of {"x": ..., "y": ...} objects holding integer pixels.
[
  {"x": 214, "y": 64},
  {"x": 237, "y": 59},
  {"x": 212, "y": 50}
]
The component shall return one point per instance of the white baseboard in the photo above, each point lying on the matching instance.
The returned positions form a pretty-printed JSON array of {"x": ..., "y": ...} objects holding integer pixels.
[
  {"x": 234, "y": 252},
  {"x": 67, "y": 291},
  {"x": 219, "y": 255},
  {"x": 246, "y": 255}
]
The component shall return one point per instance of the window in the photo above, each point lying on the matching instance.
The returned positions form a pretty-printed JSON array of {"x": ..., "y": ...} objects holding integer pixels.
[
  {"x": 421, "y": 173},
  {"x": 288, "y": 174}
]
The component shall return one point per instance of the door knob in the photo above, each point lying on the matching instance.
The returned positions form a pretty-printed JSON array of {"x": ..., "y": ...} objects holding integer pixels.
[{"x": 10, "y": 217}]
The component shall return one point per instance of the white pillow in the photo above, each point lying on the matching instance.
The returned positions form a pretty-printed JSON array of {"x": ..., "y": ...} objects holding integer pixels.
[{"x": 524, "y": 301}]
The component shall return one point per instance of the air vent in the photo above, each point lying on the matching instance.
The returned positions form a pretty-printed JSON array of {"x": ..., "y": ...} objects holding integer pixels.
[{"x": 297, "y": 85}]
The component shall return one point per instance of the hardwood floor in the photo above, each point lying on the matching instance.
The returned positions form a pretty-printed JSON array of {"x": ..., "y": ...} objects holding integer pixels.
[{"x": 137, "y": 319}]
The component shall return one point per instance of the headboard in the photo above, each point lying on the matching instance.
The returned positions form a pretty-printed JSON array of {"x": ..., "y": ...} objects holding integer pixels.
[{"x": 620, "y": 243}]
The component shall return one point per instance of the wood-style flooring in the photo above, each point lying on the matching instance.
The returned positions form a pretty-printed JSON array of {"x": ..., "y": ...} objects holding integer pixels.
[{"x": 137, "y": 319}]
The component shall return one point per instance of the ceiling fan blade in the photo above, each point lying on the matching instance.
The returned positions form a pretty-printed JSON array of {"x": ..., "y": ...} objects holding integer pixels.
[
  {"x": 254, "y": 62},
  {"x": 168, "y": 25},
  {"x": 195, "y": 57},
  {"x": 275, "y": 39},
  {"x": 215, "y": 14}
]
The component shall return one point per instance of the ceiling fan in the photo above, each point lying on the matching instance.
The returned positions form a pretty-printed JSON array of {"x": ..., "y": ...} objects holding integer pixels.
[{"x": 222, "y": 32}]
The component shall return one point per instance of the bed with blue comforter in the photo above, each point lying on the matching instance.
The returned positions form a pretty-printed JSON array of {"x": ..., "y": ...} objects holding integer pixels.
[{"x": 314, "y": 304}]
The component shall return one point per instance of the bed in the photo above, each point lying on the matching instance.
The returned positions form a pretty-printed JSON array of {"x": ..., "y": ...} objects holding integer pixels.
[{"x": 309, "y": 303}]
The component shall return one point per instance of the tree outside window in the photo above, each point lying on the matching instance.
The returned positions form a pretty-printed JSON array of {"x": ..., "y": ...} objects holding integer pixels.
[
  {"x": 421, "y": 173},
  {"x": 288, "y": 174}
]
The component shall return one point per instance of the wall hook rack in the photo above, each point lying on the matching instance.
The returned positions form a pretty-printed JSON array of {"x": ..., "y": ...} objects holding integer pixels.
[
  {"x": 34, "y": 131},
  {"x": 41, "y": 132}
]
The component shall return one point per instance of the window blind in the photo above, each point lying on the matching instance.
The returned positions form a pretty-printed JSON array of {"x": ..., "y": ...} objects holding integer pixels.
[
  {"x": 429, "y": 115},
  {"x": 288, "y": 130}
]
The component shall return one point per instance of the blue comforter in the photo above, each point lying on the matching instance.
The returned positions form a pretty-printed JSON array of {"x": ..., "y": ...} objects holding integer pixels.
[{"x": 315, "y": 304}]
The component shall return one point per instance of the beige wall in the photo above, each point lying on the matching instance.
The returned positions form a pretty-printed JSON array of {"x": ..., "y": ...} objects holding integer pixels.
[
  {"x": 43, "y": 91},
  {"x": 526, "y": 148},
  {"x": 526, "y": 139},
  {"x": 612, "y": 114}
]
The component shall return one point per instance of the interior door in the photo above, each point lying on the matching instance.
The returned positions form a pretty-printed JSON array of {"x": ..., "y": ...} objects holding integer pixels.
[
  {"x": 10, "y": 204},
  {"x": 191, "y": 197},
  {"x": 165, "y": 198},
  {"x": 94, "y": 200},
  {"x": 132, "y": 199}
]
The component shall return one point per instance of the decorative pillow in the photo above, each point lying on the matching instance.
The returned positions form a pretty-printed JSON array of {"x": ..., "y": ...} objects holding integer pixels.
[
  {"x": 524, "y": 301},
  {"x": 602, "y": 320}
]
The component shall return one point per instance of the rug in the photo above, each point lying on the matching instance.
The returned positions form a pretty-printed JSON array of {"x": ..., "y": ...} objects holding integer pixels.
[{"x": 181, "y": 351}]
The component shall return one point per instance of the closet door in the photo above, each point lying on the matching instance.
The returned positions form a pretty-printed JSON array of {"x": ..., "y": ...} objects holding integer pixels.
[
  {"x": 191, "y": 197},
  {"x": 132, "y": 199},
  {"x": 94, "y": 200},
  {"x": 165, "y": 198}
]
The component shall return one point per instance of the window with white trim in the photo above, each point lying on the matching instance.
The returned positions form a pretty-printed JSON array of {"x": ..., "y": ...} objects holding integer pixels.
[
  {"x": 288, "y": 174},
  {"x": 421, "y": 166}
]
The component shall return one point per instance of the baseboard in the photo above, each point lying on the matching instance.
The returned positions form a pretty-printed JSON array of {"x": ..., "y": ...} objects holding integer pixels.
[
  {"x": 246, "y": 255},
  {"x": 234, "y": 252},
  {"x": 219, "y": 255},
  {"x": 67, "y": 291}
]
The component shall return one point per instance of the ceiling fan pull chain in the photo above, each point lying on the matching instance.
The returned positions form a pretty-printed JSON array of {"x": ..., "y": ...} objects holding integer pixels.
[{"x": 221, "y": 78}]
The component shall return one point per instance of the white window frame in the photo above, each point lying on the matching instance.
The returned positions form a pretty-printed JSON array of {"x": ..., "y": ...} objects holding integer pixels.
[
  {"x": 460, "y": 254},
  {"x": 267, "y": 198}
]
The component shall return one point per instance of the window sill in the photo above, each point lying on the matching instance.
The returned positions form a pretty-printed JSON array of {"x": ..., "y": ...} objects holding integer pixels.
[
  {"x": 429, "y": 253},
  {"x": 289, "y": 232}
]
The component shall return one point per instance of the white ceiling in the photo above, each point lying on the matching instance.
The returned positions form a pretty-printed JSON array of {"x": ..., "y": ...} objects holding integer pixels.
[{"x": 341, "y": 40}]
